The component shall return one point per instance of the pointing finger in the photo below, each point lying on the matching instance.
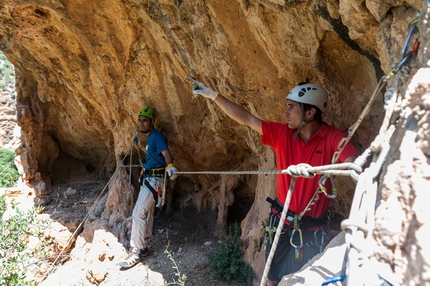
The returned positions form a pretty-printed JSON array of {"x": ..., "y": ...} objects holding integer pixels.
[{"x": 192, "y": 80}]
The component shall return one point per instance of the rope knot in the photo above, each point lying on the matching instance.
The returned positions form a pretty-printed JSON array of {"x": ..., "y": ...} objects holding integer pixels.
[{"x": 301, "y": 170}]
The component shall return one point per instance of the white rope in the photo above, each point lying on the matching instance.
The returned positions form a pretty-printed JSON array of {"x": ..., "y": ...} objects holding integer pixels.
[
  {"x": 278, "y": 233},
  {"x": 304, "y": 170}
]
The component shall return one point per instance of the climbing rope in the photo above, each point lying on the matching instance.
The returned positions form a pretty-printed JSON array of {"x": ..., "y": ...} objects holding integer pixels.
[
  {"x": 342, "y": 169},
  {"x": 74, "y": 234},
  {"x": 129, "y": 180},
  {"x": 278, "y": 232}
]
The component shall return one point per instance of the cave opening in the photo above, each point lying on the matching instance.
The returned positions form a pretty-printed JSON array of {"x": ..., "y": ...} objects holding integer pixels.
[
  {"x": 244, "y": 196},
  {"x": 67, "y": 168}
]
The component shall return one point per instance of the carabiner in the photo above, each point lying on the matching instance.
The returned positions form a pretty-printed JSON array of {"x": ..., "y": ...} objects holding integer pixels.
[
  {"x": 396, "y": 69},
  {"x": 412, "y": 31},
  {"x": 323, "y": 188},
  {"x": 301, "y": 238},
  {"x": 320, "y": 244}
]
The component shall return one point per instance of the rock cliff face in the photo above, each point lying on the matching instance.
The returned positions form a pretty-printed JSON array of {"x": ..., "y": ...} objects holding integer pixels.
[{"x": 85, "y": 68}]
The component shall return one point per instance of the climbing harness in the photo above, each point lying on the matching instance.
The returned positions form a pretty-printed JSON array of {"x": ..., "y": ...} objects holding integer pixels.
[{"x": 158, "y": 174}]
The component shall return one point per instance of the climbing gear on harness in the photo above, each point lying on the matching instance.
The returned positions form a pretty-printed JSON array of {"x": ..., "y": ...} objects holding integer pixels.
[
  {"x": 155, "y": 172},
  {"x": 200, "y": 89},
  {"x": 268, "y": 229},
  {"x": 276, "y": 209},
  {"x": 297, "y": 248},
  {"x": 306, "y": 222},
  {"x": 148, "y": 112},
  {"x": 310, "y": 94},
  {"x": 158, "y": 193},
  {"x": 153, "y": 191},
  {"x": 315, "y": 229}
]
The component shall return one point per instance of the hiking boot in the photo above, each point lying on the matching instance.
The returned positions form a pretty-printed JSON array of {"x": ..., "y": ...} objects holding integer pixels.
[{"x": 131, "y": 260}]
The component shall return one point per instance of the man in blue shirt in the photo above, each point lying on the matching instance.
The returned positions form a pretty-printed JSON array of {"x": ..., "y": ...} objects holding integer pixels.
[{"x": 158, "y": 159}]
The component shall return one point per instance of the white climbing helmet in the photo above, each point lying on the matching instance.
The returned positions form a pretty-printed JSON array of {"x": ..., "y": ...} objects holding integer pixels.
[{"x": 310, "y": 94}]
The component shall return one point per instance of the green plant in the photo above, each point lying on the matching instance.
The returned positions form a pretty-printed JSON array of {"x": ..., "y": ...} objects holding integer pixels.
[
  {"x": 14, "y": 233},
  {"x": 182, "y": 278},
  {"x": 227, "y": 262},
  {"x": 8, "y": 172}
]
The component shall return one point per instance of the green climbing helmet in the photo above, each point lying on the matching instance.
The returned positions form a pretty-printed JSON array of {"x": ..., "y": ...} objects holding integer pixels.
[{"x": 148, "y": 112}]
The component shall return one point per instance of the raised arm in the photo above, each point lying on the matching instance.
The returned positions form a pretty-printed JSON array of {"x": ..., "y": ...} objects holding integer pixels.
[{"x": 233, "y": 110}]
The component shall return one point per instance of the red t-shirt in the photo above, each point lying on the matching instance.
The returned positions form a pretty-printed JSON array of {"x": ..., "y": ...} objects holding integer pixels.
[{"x": 318, "y": 151}]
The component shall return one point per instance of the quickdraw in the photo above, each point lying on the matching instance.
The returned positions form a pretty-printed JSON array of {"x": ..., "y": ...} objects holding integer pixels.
[
  {"x": 319, "y": 243},
  {"x": 323, "y": 188},
  {"x": 268, "y": 230},
  {"x": 298, "y": 251}
]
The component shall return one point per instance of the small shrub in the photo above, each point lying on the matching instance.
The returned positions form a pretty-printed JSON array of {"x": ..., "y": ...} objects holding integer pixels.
[
  {"x": 8, "y": 172},
  {"x": 227, "y": 262},
  {"x": 14, "y": 259}
]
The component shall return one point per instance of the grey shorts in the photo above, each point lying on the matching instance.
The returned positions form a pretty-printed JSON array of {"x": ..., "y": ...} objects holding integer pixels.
[{"x": 284, "y": 261}]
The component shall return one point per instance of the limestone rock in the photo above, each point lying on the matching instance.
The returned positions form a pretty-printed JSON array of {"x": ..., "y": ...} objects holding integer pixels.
[{"x": 84, "y": 69}]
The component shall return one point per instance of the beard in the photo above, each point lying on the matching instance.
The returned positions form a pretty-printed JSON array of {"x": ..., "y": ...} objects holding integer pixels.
[{"x": 148, "y": 130}]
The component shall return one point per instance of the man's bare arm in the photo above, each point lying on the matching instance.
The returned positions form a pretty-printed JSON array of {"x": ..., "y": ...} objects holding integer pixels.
[
  {"x": 233, "y": 110},
  {"x": 239, "y": 114}
]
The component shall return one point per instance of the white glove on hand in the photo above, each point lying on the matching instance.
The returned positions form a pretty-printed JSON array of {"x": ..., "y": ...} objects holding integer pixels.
[
  {"x": 200, "y": 88},
  {"x": 171, "y": 171}
]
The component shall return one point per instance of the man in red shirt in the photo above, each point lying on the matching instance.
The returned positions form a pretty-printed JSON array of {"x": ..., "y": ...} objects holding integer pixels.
[{"x": 305, "y": 138}]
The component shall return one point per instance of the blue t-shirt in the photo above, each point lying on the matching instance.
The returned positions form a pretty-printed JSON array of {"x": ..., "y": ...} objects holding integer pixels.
[{"x": 155, "y": 144}]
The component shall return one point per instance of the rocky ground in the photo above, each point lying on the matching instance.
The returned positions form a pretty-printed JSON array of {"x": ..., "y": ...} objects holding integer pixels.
[{"x": 179, "y": 248}]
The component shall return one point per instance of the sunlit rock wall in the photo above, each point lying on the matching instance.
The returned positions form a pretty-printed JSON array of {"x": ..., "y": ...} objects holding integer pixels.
[{"x": 85, "y": 69}]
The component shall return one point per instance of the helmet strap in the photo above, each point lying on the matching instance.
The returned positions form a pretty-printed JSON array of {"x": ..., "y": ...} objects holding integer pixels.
[
  {"x": 303, "y": 121},
  {"x": 298, "y": 129}
]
